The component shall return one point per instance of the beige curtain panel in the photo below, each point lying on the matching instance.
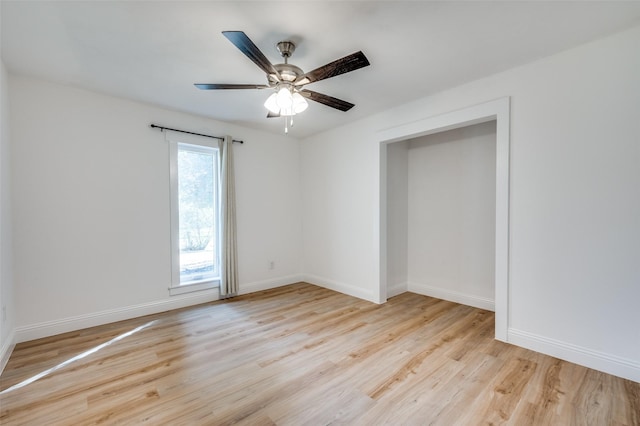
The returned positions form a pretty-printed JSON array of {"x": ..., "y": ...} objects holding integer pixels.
[{"x": 229, "y": 254}]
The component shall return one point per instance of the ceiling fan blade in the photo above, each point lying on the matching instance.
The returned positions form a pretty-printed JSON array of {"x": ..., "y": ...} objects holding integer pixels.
[
  {"x": 208, "y": 86},
  {"x": 327, "y": 100},
  {"x": 272, "y": 115},
  {"x": 343, "y": 65},
  {"x": 246, "y": 46}
]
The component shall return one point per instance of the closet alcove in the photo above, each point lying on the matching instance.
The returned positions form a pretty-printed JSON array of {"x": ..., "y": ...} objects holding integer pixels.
[{"x": 441, "y": 215}]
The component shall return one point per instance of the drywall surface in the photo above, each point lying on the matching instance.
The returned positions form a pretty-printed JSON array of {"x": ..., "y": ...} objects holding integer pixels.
[
  {"x": 451, "y": 214},
  {"x": 397, "y": 217},
  {"x": 91, "y": 207},
  {"x": 574, "y": 201},
  {"x": 7, "y": 305}
]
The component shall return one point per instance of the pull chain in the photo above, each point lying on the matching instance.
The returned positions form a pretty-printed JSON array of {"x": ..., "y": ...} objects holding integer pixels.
[{"x": 288, "y": 122}]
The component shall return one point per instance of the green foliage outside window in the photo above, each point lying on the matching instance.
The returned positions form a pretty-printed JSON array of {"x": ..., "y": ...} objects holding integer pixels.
[{"x": 196, "y": 192}]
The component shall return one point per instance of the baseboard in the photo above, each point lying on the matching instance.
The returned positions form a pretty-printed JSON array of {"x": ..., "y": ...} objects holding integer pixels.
[
  {"x": 6, "y": 350},
  {"x": 611, "y": 364},
  {"x": 452, "y": 296},
  {"x": 340, "y": 287},
  {"x": 396, "y": 289},
  {"x": 272, "y": 283},
  {"x": 50, "y": 328}
]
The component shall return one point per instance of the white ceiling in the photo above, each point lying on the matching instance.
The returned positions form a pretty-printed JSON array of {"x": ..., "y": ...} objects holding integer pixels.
[{"x": 154, "y": 51}]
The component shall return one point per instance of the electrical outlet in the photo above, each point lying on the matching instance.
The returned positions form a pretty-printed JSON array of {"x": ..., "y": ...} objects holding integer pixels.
[{"x": 272, "y": 265}]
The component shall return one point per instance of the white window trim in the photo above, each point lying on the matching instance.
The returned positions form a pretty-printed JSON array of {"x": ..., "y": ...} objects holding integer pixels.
[
  {"x": 194, "y": 286},
  {"x": 174, "y": 140}
]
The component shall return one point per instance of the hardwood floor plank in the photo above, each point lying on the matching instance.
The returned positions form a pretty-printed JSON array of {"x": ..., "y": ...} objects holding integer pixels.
[
  {"x": 450, "y": 401},
  {"x": 301, "y": 354},
  {"x": 630, "y": 401},
  {"x": 496, "y": 405}
]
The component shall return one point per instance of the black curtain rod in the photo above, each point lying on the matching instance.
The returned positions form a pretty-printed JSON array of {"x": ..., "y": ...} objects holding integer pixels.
[{"x": 162, "y": 128}]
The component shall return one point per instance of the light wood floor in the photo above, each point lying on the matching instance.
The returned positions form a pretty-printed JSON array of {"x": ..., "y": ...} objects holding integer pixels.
[{"x": 302, "y": 355}]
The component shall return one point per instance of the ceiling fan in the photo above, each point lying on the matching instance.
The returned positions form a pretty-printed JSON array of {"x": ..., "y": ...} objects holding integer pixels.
[{"x": 288, "y": 80}]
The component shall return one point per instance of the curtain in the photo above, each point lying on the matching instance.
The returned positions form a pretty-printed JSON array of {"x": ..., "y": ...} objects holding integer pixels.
[{"x": 229, "y": 252}]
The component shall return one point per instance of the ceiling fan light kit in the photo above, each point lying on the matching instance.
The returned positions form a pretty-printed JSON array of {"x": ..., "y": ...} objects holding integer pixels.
[
  {"x": 285, "y": 102},
  {"x": 287, "y": 80}
]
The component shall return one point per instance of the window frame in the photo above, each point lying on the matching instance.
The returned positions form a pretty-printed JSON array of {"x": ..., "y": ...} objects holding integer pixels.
[{"x": 203, "y": 145}]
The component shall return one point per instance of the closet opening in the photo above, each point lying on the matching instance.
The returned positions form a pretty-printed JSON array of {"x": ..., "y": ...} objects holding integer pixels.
[{"x": 444, "y": 209}]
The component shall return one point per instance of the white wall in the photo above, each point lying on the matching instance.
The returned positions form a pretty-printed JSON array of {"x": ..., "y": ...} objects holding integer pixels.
[
  {"x": 91, "y": 207},
  {"x": 397, "y": 217},
  {"x": 451, "y": 214},
  {"x": 340, "y": 246},
  {"x": 574, "y": 200},
  {"x": 7, "y": 306}
]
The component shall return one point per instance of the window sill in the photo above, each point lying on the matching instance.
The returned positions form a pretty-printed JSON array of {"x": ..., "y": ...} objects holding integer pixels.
[{"x": 194, "y": 286}]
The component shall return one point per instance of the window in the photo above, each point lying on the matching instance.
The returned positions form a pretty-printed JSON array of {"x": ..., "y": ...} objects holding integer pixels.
[{"x": 194, "y": 216}]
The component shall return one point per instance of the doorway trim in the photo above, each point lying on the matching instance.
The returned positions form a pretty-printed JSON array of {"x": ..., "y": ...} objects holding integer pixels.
[{"x": 498, "y": 110}]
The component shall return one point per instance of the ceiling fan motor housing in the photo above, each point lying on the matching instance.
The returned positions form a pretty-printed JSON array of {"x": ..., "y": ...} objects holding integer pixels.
[{"x": 288, "y": 73}]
